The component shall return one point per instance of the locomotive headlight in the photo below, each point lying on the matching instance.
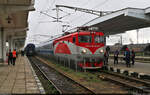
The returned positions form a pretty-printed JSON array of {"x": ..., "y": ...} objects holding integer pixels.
[
  {"x": 101, "y": 51},
  {"x": 84, "y": 51}
]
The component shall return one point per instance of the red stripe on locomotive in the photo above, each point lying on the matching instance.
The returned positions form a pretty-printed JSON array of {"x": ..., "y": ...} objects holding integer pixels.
[{"x": 62, "y": 48}]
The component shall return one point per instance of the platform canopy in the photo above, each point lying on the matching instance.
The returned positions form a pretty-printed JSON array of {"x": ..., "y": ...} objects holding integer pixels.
[
  {"x": 13, "y": 17},
  {"x": 122, "y": 20}
]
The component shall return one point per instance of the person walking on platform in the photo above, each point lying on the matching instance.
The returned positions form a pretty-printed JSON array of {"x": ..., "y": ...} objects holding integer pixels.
[
  {"x": 127, "y": 57},
  {"x": 116, "y": 57},
  {"x": 106, "y": 55},
  {"x": 10, "y": 57},
  {"x": 14, "y": 56},
  {"x": 133, "y": 56},
  {"x": 22, "y": 53}
]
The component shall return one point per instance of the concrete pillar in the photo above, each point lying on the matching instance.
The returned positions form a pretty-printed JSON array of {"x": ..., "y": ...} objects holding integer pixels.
[
  {"x": 10, "y": 41},
  {"x": 2, "y": 46},
  {"x": 14, "y": 46}
]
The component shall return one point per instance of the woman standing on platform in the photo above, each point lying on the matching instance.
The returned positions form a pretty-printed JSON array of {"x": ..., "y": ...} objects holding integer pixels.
[
  {"x": 14, "y": 56},
  {"x": 10, "y": 57}
]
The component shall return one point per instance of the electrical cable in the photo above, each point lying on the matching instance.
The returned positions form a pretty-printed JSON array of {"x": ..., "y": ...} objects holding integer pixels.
[
  {"x": 66, "y": 12},
  {"x": 102, "y": 3}
]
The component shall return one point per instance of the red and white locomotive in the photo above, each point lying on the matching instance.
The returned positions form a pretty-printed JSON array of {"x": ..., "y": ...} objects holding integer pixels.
[{"x": 85, "y": 47}]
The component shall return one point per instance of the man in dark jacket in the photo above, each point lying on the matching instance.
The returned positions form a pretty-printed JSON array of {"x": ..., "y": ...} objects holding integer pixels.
[
  {"x": 106, "y": 56},
  {"x": 116, "y": 57},
  {"x": 10, "y": 57},
  {"x": 127, "y": 57},
  {"x": 22, "y": 53},
  {"x": 132, "y": 56}
]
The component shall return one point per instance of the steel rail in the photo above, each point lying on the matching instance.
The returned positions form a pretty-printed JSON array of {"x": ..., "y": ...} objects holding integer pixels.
[
  {"x": 46, "y": 77},
  {"x": 128, "y": 81},
  {"x": 129, "y": 78},
  {"x": 61, "y": 92}
]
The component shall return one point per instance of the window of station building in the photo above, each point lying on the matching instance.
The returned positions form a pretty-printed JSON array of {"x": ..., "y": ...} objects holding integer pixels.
[
  {"x": 74, "y": 39},
  {"x": 99, "y": 39},
  {"x": 85, "y": 39}
]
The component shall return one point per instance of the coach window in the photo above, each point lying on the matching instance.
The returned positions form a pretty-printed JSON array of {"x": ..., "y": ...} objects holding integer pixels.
[
  {"x": 99, "y": 39},
  {"x": 74, "y": 39},
  {"x": 85, "y": 39}
]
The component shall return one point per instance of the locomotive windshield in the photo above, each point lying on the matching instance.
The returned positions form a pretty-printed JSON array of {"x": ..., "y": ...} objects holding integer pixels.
[
  {"x": 85, "y": 39},
  {"x": 99, "y": 39}
]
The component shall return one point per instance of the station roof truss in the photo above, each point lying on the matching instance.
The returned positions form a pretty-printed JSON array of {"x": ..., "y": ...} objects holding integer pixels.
[
  {"x": 14, "y": 16},
  {"x": 121, "y": 21}
]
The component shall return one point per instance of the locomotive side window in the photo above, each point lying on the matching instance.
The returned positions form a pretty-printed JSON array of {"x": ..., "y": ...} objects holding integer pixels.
[
  {"x": 74, "y": 39},
  {"x": 99, "y": 39},
  {"x": 85, "y": 39}
]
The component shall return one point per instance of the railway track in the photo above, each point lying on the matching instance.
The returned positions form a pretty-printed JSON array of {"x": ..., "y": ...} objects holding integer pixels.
[
  {"x": 62, "y": 83},
  {"x": 134, "y": 84}
]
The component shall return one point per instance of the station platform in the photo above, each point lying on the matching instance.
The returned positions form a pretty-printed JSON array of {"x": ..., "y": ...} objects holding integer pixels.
[
  {"x": 19, "y": 79},
  {"x": 138, "y": 67}
]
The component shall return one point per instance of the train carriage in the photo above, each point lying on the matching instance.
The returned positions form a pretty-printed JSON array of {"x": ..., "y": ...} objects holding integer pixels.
[
  {"x": 30, "y": 49},
  {"x": 83, "y": 48}
]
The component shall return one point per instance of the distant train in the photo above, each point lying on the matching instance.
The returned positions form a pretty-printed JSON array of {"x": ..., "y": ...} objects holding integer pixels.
[
  {"x": 30, "y": 49},
  {"x": 85, "y": 47}
]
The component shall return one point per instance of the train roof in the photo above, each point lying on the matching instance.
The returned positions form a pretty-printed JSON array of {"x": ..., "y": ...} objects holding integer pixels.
[
  {"x": 80, "y": 33},
  {"x": 30, "y": 44}
]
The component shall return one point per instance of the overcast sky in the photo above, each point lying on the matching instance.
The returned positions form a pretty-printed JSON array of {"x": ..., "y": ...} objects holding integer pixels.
[{"x": 40, "y": 24}]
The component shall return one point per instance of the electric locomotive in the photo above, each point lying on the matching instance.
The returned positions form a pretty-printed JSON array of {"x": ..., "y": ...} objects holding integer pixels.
[{"x": 84, "y": 46}]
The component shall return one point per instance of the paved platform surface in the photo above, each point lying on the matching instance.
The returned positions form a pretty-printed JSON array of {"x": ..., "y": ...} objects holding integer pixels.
[
  {"x": 138, "y": 67},
  {"x": 18, "y": 79}
]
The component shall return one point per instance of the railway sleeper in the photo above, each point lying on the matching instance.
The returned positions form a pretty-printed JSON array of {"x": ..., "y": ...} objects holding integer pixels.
[
  {"x": 146, "y": 83},
  {"x": 139, "y": 89}
]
